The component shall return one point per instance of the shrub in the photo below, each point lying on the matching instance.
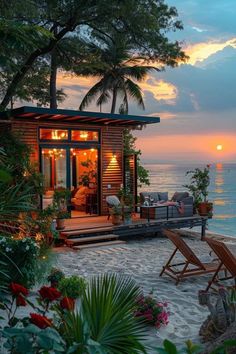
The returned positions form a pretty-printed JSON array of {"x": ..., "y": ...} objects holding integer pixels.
[
  {"x": 72, "y": 286},
  {"x": 55, "y": 276},
  {"x": 24, "y": 252}
]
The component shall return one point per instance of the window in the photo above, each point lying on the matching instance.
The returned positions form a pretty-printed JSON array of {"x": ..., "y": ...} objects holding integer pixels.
[
  {"x": 84, "y": 135},
  {"x": 53, "y": 134}
]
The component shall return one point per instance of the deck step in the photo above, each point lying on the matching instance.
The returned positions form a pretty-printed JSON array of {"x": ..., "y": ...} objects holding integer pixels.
[
  {"x": 78, "y": 232},
  {"x": 75, "y": 241},
  {"x": 99, "y": 244}
]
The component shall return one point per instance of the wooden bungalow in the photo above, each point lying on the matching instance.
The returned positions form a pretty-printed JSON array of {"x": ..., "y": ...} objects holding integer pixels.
[{"x": 82, "y": 151}]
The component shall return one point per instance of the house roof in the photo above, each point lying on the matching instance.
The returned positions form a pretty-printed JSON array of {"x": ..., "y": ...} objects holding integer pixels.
[{"x": 65, "y": 115}]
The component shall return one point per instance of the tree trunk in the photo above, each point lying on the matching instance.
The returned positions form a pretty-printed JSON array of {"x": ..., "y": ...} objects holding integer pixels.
[
  {"x": 53, "y": 81},
  {"x": 114, "y": 98},
  {"x": 28, "y": 64}
]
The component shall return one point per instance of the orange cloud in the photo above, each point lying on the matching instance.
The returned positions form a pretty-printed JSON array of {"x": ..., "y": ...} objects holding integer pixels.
[
  {"x": 201, "y": 51},
  {"x": 161, "y": 90}
]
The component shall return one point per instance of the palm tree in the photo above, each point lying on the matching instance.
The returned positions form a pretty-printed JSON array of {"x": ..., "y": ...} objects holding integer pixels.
[{"x": 116, "y": 67}]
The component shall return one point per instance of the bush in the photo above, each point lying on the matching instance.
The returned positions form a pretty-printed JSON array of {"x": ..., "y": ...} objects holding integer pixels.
[
  {"x": 21, "y": 257},
  {"x": 72, "y": 286}
]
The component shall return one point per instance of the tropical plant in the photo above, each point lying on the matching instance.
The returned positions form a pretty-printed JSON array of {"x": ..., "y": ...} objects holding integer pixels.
[
  {"x": 116, "y": 75},
  {"x": 103, "y": 323},
  {"x": 31, "y": 34},
  {"x": 199, "y": 183},
  {"x": 170, "y": 348},
  {"x": 60, "y": 198},
  {"x": 106, "y": 323}
]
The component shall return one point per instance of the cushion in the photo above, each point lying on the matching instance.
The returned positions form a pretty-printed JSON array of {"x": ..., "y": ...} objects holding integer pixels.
[
  {"x": 112, "y": 200},
  {"x": 153, "y": 195},
  {"x": 178, "y": 196},
  {"x": 163, "y": 196}
]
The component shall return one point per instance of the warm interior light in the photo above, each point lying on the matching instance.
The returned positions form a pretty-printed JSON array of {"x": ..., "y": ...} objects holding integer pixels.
[
  {"x": 219, "y": 147},
  {"x": 85, "y": 153},
  {"x": 83, "y": 135}
]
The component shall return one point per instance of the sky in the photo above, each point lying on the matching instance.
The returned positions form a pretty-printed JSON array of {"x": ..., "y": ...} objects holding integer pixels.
[{"x": 196, "y": 101}]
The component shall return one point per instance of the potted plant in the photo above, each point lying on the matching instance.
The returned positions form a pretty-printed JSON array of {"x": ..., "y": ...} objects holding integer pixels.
[
  {"x": 61, "y": 197},
  {"x": 199, "y": 183},
  {"x": 116, "y": 215},
  {"x": 126, "y": 199},
  {"x": 61, "y": 215}
]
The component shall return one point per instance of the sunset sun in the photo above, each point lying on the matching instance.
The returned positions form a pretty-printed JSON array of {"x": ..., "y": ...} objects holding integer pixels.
[{"x": 219, "y": 147}]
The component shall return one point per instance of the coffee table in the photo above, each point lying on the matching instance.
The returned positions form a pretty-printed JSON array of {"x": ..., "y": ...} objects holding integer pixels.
[{"x": 148, "y": 211}]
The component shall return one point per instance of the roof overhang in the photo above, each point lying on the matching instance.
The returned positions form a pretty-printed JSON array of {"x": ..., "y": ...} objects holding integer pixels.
[{"x": 83, "y": 117}]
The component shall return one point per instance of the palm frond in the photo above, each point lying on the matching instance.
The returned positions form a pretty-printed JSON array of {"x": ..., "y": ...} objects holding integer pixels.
[
  {"x": 107, "y": 308},
  {"x": 135, "y": 92},
  {"x": 91, "y": 95},
  {"x": 137, "y": 72}
]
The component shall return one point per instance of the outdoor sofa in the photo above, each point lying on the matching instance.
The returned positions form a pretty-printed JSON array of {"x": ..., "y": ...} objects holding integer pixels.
[{"x": 182, "y": 199}]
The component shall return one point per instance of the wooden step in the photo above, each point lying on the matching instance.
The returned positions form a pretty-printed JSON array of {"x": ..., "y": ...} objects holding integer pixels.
[
  {"x": 99, "y": 244},
  {"x": 85, "y": 231},
  {"x": 74, "y": 241}
]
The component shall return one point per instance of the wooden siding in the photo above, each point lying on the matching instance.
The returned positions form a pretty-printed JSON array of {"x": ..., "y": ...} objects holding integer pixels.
[{"x": 111, "y": 161}]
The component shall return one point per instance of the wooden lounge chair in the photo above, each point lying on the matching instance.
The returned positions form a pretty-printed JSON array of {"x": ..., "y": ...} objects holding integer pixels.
[
  {"x": 192, "y": 266},
  {"x": 227, "y": 260}
]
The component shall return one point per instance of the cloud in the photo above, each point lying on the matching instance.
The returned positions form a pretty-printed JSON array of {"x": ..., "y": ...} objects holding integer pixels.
[
  {"x": 201, "y": 51},
  {"x": 198, "y": 29},
  {"x": 161, "y": 90}
]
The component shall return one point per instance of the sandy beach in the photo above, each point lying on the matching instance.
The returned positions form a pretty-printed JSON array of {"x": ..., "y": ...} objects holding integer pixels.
[{"x": 142, "y": 259}]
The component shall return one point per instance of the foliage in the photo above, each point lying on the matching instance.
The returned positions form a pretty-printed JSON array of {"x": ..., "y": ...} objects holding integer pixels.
[
  {"x": 117, "y": 70},
  {"x": 60, "y": 198},
  {"x": 170, "y": 348},
  {"x": 153, "y": 312},
  {"x": 125, "y": 197},
  {"x": 55, "y": 276},
  {"x": 72, "y": 286},
  {"x": 104, "y": 323},
  {"x": 61, "y": 214},
  {"x": 90, "y": 175},
  {"x": 130, "y": 149},
  {"x": 199, "y": 183},
  {"x": 32, "y": 30},
  {"x": 24, "y": 252},
  {"x": 115, "y": 210},
  {"x": 31, "y": 339}
]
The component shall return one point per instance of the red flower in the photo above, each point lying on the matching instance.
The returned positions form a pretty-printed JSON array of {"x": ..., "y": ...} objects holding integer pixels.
[
  {"x": 18, "y": 289},
  {"x": 40, "y": 321},
  {"x": 49, "y": 293},
  {"x": 20, "y": 300},
  {"x": 67, "y": 303}
]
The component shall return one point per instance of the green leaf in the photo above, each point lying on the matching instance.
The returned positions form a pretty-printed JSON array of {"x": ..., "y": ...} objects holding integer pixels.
[{"x": 170, "y": 347}]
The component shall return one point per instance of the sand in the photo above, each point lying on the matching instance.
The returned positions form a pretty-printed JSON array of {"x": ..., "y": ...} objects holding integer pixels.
[{"x": 142, "y": 259}]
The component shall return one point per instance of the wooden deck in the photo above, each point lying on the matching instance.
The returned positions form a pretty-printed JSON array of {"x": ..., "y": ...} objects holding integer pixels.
[{"x": 99, "y": 225}]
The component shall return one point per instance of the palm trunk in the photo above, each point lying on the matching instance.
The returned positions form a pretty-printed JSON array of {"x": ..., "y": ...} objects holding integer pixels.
[
  {"x": 53, "y": 81},
  {"x": 114, "y": 98},
  {"x": 19, "y": 76}
]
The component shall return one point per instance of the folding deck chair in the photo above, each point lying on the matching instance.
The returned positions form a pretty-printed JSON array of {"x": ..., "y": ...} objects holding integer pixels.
[
  {"x": 227, "y": 260},
  {"x": 192, "y": 266}
]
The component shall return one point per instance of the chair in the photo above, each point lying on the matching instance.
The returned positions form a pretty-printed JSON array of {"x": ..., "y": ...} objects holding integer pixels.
[
  {"x": 191, "y": 266},
  {"x": 227, "y": 260}
]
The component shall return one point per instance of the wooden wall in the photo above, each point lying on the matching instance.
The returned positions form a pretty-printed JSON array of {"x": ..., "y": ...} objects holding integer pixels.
[{"x": 111, "y": 161}]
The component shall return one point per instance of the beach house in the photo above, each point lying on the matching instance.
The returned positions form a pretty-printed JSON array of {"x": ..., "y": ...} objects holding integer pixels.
[{"x": 81, "y": 151}]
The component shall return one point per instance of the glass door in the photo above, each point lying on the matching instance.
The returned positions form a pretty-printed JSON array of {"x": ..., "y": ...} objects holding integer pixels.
[
  {"x": 84, "y": 181},
  {"x": 53, "y": 166}
]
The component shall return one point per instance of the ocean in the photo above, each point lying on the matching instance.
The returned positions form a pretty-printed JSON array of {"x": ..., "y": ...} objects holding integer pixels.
[{"x": 171, "y": 177}]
